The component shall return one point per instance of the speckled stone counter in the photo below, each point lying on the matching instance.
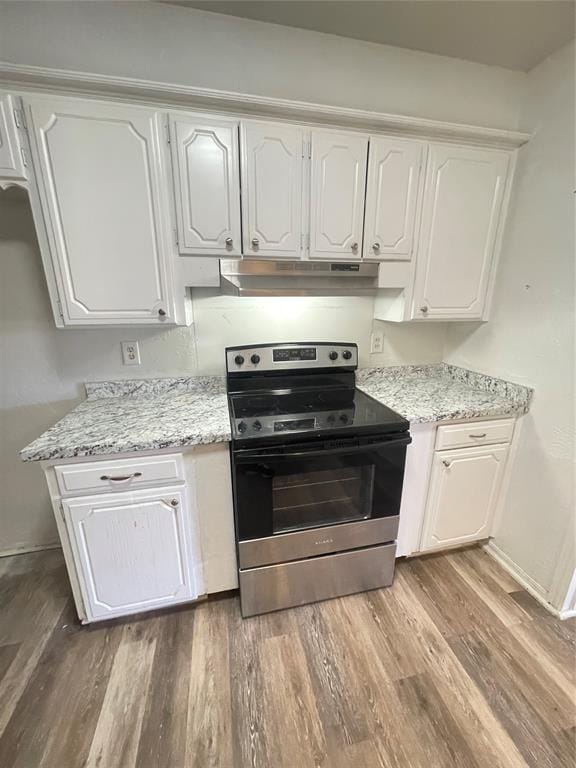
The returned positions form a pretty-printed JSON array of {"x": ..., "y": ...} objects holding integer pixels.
[
  {"x": 151, "y": 414},
  {"x": 138, "y": 415},
  {"x": 441, "y": 392}
]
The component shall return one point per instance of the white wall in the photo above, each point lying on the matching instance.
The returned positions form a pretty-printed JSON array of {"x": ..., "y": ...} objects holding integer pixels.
[
  {"x": 530, "y": 338},
  {"x": 180, "y": 45}
]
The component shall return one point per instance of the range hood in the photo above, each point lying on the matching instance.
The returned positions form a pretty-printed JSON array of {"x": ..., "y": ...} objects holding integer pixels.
[{"x": 259, "y": 277}]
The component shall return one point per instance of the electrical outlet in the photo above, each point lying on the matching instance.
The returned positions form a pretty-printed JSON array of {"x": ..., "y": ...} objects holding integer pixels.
[
  {"x": 130, "y": 352},
  {"x": 376, "y": 342}
]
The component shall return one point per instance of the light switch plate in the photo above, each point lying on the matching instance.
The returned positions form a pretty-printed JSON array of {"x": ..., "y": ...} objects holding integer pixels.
[{"x": 130, "y": 352}]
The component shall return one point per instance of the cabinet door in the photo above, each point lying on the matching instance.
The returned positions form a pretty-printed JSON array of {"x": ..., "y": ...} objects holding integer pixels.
[
  {"x": 132, "y": 551},
  {"x": 207, "y": 176},
  {"x": 464, "y": 489},
  {"x": 391, "y": 198},
  {"x": 11, "y": 158},
  {"x": 337, "y": 195},
  {"x": 272, "y": 189},
  {"x": 461, "y": 211},
  {"x": 104, "y": 193}
]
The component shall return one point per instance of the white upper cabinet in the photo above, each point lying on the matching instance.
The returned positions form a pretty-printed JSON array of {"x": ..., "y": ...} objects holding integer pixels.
[
  {"x": 104, "y": 191},
  {"x": 462, "y": 210},
  {"x": 207, "y": 185},
  {"x": 391, "y": 197},
  {"x": 272, "y": 189},
  {"x": 338, "y": 181},
  {"x": 12, "y": 157},
  {"x": 464, "y": 491}
]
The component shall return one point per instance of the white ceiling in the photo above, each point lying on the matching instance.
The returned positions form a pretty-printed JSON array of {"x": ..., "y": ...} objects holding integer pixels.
[{"x": 517, "y": 34}]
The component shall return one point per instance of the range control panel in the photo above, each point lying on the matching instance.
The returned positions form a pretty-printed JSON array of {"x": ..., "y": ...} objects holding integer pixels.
[
  {"x": 289, "y": 357},
  {"x": 268, "y": 426}
]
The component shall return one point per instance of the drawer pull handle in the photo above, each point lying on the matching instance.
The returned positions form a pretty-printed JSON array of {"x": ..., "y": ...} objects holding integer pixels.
[
  {"x": 174, "y": 502},
  {"x": 120, "y": 478},
  {"x": 446, "y": 463},
  {"x": 483, "y": 434}
]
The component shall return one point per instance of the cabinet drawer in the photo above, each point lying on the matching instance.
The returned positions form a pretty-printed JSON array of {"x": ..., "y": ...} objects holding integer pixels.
[
  {"x": 119, "y": 475},
  {"x": 474, "y": 433}
]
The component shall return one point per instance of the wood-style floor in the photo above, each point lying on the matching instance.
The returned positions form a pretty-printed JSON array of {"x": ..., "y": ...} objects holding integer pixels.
[{"x": 453, "y": 665}]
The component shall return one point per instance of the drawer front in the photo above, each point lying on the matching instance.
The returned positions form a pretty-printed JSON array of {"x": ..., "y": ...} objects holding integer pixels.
[
  {"x": 119, "y": 475},
  {"x": 274, "y": 587},
  {"x": 474, "y": 433}
]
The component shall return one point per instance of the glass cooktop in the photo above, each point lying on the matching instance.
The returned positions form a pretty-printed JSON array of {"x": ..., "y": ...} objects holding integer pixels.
[{"x": 273, "y": 414}]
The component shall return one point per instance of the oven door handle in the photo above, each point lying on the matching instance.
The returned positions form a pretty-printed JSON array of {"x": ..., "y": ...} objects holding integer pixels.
[{"x": 240, "y": 456}]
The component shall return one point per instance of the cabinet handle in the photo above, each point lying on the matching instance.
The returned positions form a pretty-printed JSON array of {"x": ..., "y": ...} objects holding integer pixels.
[
  {"x": 354, "y": 247},
  {"x": 120, "y": 478},
  {"x": 174, "y": 502},
  {"x": 424, "y": 309},
  {"x": 376, "y": 247},
  {"x": 162, "y": 312},
  {"x": 255, "y": 243},
  {"x": 446, "y": 463},
  {"x": 229, "y": 242},
  {"x": 483, "y": 434}
]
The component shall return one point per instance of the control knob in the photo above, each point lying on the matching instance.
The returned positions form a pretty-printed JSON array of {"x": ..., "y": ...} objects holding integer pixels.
[
  {"x": 346, "y": 354},
  {"x": 333, "y": 355},
  {"x": 344, "y": 418},
  {"x": 242, "y": 426},
  {"x": 257, "y": 426},
  {"x": 331, "y": 419},
  {"x": 255, "y": 359},
  {"x": 239, "y": 360}
]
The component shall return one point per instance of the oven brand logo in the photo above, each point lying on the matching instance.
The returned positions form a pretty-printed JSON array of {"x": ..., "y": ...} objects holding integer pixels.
[{"x": 324, "y": 541}]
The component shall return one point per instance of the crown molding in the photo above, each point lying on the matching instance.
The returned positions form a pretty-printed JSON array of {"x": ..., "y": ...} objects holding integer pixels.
[{"x": 44, "y": 78}]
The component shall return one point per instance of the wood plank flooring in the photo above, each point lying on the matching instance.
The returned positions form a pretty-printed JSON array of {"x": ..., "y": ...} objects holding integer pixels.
[{"x": 453, "y": 666}]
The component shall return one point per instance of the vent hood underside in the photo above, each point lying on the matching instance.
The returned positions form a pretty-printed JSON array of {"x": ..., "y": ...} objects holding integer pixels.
[{"x": 255, "y": 277}]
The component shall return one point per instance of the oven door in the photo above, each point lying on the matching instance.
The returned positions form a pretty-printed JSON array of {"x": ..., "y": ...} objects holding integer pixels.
[{"x": 316, "y": 499}]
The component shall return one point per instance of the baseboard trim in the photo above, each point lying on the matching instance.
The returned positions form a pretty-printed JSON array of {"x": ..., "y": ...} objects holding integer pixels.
[
  {"x": 524, "y": 580},
  {"x": 25, "y": 549}
]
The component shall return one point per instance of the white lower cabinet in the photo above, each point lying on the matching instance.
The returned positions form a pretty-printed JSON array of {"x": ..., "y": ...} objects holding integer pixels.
[
  {"x": 463, "y": 495},
  {"x": 132, "y": 551}
]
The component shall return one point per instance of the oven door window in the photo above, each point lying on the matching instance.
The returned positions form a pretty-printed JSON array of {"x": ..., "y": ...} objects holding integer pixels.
[
  {"x": 276, "y": 494},
  {"x": 321, "y": 497}
]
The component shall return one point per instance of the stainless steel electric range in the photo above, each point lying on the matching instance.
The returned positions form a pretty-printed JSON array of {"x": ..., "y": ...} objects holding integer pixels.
[{"x": 317, "y": 470}]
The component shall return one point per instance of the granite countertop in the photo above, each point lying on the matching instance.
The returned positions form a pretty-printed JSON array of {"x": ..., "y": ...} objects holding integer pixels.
[
  {"x": 151, "y": 414},
  {"x": 138, "y": 415},
  {"x": 442, "y": 392}
]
